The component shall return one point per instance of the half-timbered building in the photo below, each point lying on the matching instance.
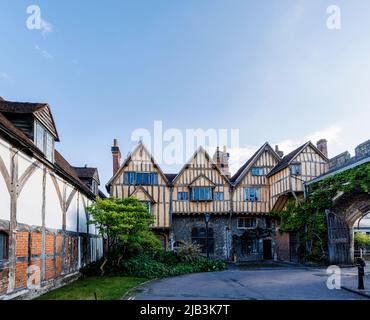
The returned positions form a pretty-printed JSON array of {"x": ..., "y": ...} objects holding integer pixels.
[
  {"x": 288, "y": 180},
  {"x": 251, "y": 206},
  {"x": 141, "y": 177},
  {"x": 240, "y": 226},
  {"x": 201, "y": 188},
  {"x": 44, "y": 235}
]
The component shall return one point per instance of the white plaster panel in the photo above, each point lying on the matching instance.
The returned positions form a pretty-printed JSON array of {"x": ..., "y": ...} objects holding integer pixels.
[
  {"x": 72, "y": 212},
  {"x": 5, "y": 200},
  {"x": 53, "y": 210},
  {"x": 5, "y": 153},
  {"x": 82, "y": 217},
  {"x": 23, "y": 163},
  {"x": 29, "y": 207}
]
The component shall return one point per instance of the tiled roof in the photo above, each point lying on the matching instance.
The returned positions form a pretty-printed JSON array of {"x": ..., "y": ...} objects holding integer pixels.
[
  {"x": 20, "y": 107},
  {"x": 85, "y": 172}
]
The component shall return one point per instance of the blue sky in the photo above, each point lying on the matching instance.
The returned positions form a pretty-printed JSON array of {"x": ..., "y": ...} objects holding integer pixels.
[{"x": 270, "y": 68}]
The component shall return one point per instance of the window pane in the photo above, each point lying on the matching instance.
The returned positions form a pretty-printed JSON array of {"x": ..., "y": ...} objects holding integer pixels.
[
  {"x": 219, "y": 196},
  {"x": 154, "y": 178},
  {"x": 49, "y": 147},
  {"x": 40, "y": 136},
  {"x": 3, "y": 246},
  {"x": 201, "y": 193}
]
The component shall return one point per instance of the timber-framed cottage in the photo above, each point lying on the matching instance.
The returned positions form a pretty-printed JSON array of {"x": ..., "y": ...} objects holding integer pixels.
[
  {"x": 240, "y": 226},
  {"x": 44, "y": 235}
]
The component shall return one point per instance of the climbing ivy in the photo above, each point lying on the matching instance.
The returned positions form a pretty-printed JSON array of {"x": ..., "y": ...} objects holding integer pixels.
[{"x": 307, "y": 216}]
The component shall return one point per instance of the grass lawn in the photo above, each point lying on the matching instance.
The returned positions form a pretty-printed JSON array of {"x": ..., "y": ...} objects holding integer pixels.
[{"x": 106, "y": 288}]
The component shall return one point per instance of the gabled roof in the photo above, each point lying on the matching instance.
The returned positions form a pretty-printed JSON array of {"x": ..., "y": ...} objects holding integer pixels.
[
  {"x": 87, "y": 173},
  {"x": 146, "y": 193},
  {"x": 200, "y": 150},
  {"x": 202, "y": 176},
  {"x": 41, "y": 111},
  {"x": 247, "y": 165},
  {"x": 128, "y": 158},
  {"x": 288, "y": 159}
]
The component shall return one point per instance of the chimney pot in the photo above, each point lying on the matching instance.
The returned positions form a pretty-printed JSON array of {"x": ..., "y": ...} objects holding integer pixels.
[
  {"x": 322, "y": 145},
  {"x": 222, "y": 160},
  {"x": 116, "y": 155},
  {"x": 280, "y": 153}
]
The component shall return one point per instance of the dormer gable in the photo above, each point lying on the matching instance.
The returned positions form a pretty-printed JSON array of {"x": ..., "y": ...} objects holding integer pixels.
[
  {"x": 140, "y": 160},
  {"x": 251, "y": 162},
  {"x": 35, "y": 120},
  {"x": 292, "y": 157},
  {"x": 201, "y": 160},
  {"x": 201, "y": 181}
]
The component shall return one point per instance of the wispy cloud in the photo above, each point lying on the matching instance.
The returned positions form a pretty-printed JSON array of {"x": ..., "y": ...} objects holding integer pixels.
[
  {"x": 43, "y": 52},
  {"x": 4, "y": 75}
]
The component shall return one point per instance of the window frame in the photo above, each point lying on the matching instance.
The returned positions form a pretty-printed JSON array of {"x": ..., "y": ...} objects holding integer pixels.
[
  {"x": 218, "y": 193},
  {"x": 200, "y": 238},
  {"x": 256, "y": 196},
  {"x": 296, "y": 166},
  {"x": 4, "y": 238},
  {"x": 244, "y": 227},
  {"x": 201, "y": 194},
  {"x": 149, "y": 206},
  {"x": 182, "y": 198},
  {"x": 43, "y": 143},
  {"x": 147, "y": 178},
  {"x": 261, "y": 171}
]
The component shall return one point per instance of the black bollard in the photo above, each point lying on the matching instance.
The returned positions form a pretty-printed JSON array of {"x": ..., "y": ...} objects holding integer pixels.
[{"x": 361, "y": 273}]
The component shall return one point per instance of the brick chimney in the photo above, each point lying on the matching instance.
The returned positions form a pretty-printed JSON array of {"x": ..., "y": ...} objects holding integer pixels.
[
  {"x": 322, "y": 145},
  {"x": 222, "y": 161},
  {"x": 116, "y": 154},
  {"x": 280, "y": 153}
]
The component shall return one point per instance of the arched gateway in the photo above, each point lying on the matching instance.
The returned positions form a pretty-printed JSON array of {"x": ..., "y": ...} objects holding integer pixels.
[{"x": 347, "y": 209}]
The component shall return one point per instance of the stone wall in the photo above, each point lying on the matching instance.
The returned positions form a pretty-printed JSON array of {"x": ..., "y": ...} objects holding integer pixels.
[
  {"x": 224, "y": 228},
  {"x": 363, "y": 149},
  {"x": 183, "y": 225}
]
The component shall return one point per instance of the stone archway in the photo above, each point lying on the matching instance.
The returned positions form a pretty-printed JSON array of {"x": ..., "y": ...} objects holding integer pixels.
[{"x": 347, "y": 209}]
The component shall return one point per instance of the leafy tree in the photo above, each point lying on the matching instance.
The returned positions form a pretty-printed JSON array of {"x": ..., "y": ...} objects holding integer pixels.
[
  {"x": 125, "y": 223},
  {"x": 362, "y": 239}
]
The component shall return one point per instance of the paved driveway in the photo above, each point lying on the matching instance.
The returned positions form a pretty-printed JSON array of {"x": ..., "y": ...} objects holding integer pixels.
[{"x": 284, "y": 283}]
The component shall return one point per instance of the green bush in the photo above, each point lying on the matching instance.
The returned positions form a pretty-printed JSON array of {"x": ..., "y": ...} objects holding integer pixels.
[
  {"x": 189, "y": 252},
  {"x": 143, "y": 266},
  {"x": 164, "y": 264}
]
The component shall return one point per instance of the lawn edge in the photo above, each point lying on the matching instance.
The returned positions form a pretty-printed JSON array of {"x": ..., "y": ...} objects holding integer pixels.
[{"x": 129, "y": 291}]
